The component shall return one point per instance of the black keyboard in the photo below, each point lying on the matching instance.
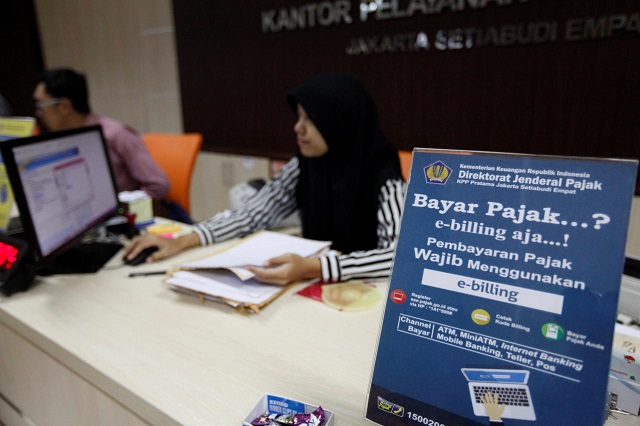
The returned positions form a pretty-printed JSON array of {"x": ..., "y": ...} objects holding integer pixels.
[
  {"x": 507, "y": 395},
  {"x": 86, "y": 258}
]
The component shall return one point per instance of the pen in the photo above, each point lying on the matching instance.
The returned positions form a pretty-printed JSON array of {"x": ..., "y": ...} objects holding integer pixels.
[{"x": 144, "y": 274}]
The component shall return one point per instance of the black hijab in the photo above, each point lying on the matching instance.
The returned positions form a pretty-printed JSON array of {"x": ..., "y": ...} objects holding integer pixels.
[{"x": 337, "y": 192}]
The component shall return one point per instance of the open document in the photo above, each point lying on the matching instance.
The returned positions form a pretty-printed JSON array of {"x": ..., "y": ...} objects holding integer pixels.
[
  {"x": 222, "y": 276},
  {"x": 255, "y": 250}
]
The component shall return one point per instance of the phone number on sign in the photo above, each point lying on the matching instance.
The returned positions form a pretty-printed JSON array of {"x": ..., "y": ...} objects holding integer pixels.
[{"x": 424, "y": 420}]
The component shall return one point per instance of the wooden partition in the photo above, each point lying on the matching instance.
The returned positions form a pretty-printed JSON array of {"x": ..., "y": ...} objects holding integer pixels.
[
  {"x": 20, "y": 55},
  {"x": 532, "y": 76}
]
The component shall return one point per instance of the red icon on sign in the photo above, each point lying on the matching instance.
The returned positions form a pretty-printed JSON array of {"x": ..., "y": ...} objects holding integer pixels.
[{"x": 398, "y": 296}]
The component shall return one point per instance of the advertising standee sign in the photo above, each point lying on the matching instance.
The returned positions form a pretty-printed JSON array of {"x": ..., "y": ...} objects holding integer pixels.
[{"x": 504, "y": 291}]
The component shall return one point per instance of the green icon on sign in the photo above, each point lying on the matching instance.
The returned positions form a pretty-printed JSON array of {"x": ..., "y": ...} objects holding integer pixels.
[{"x": 552, "y": 331}]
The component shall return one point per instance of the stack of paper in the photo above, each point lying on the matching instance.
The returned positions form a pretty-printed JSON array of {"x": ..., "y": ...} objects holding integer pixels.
[{"x": 222, "y": 277}]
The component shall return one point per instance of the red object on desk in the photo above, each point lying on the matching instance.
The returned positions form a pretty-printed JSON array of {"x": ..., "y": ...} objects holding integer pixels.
[
  {"x": 131, "y": 217},
  {"x": 312, "y": 291}
]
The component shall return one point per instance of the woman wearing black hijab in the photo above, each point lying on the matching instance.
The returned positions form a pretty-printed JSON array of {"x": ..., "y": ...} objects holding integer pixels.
[{"x": 345, "y": 181}]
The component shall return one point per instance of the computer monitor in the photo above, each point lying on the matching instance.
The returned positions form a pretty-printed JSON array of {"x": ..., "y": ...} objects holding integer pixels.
[
  {"x": 64, "y": 187},
  {"x": 629, "y": 302}
]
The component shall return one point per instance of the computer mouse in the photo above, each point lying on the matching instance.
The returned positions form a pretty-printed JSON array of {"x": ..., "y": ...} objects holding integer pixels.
[{"x": 141, "y": 257}]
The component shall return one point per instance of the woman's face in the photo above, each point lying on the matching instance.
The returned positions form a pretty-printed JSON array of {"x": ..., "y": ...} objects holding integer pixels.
[{"x": 308, "y": 137}]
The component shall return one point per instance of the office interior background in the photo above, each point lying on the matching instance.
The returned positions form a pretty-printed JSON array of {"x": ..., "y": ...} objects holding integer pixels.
[{"x": 223, "y": 68}]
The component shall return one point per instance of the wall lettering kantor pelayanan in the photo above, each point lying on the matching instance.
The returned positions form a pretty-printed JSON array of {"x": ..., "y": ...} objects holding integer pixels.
[
  {"x": 323, "y": 14},
  {"x": 528, "y": 76}
]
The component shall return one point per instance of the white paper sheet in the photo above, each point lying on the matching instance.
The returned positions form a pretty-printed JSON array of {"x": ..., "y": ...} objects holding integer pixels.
[
  {"x": 222, "y": 275},
  {"x": 224, "y": 284},
  {"x": 256, "y": 250}
]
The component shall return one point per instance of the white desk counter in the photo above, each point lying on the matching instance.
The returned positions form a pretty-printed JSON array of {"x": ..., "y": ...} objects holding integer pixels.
[
  {"x": 144, "y": 353},
  {"x": 104, "y": 350}
]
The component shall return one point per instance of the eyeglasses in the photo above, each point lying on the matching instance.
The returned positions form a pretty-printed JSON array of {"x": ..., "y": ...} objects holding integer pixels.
[{"x": 47, "y": 102}]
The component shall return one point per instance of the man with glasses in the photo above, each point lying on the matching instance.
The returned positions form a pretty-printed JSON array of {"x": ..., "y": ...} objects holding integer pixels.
[{"x": 62, "y": 102}]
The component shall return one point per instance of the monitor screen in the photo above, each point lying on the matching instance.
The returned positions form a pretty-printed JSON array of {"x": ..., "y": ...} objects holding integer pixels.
[{"x": 63, "y": 185}]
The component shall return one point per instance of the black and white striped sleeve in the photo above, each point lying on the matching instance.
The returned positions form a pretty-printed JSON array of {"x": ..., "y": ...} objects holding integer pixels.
[
  {"x": 266, "y": 209},
  {"x": 374, "y": 263}
]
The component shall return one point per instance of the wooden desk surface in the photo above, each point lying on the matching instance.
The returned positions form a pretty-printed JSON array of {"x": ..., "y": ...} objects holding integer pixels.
[{"x": 173, "y": 360}]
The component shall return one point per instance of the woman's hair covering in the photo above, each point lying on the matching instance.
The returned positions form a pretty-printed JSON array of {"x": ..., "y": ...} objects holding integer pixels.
[{"x": 337, "y": 192}]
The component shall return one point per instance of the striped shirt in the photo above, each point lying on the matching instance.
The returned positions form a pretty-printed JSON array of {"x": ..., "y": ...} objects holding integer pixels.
[{"x": 277, "y": 200}]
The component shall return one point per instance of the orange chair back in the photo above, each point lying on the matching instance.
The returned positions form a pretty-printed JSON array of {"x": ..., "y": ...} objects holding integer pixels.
[
  {"x": 176, "y": 154},
  {"x": 405, "y": 163}
]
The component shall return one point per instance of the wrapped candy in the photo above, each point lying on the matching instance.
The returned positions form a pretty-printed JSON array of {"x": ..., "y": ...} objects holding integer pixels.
[
  {"x": 264, "y": 420},
  {"x": 314, "y": 419}
]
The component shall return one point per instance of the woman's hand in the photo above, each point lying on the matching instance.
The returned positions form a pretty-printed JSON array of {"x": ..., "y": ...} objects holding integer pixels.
[
  {"x": 287, "y": 268},
  {"x": 166, "y": 246}
]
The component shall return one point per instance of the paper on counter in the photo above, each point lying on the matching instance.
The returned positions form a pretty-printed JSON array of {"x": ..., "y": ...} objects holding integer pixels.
[
  {"x": 256, "y": 250},
  {"x": 225, "y": 285}
]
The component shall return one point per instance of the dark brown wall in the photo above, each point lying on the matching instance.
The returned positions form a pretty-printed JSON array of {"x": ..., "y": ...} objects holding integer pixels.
[
  {"x": 20, "y": 55},
  {"x": 558, "y": 96}
]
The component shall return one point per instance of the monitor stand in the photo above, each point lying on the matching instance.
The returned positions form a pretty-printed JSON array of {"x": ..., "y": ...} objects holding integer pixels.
[{"x": 85, "y": 258}]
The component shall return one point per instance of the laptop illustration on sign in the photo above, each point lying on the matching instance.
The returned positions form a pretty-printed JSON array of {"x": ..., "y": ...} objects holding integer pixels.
[{"x": 510, "y": 386}]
